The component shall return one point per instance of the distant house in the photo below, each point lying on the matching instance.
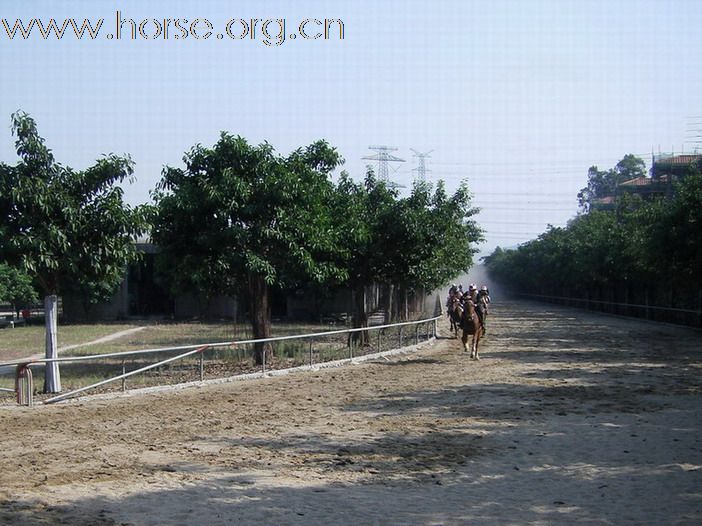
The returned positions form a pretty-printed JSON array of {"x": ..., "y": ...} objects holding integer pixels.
[
  {"x": 139, "y": 294},
  {"x": 674, "y": 166},
  {"x": 644, "y": 186},
  {"x": 665, "y": 169},
  {"x": 607, "y": 202}
]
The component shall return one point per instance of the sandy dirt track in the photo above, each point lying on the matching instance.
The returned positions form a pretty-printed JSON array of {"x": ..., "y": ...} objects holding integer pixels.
[{"x": 569, "y": 418}]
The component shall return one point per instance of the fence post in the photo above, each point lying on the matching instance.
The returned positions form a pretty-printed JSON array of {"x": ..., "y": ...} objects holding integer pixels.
[
  {"x": 202, "y": 366},
  {"x": 310, "y": 354},
  {"x": 416, "y": 334},
  {"x": 124, "y": 380},
  {"x": 263, "y": 361},
  {"x": 24, "y": 385},
  {"x": 379, "y": 344},
  {"x": 399, "y": 338}
]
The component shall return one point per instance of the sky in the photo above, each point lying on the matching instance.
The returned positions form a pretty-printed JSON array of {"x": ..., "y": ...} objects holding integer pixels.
[{"x": 518, "y": 98}]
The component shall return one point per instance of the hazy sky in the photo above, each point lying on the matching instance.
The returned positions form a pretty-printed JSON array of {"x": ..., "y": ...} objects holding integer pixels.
[{"x": 517, "y": 97}]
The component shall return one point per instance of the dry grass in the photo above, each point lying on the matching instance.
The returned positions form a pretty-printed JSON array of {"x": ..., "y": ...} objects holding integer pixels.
[{"x": 24, "y": 341}]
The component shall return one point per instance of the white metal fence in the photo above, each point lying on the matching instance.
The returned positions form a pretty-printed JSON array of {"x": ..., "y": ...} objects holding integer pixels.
[{"x": 222, "y": 359}]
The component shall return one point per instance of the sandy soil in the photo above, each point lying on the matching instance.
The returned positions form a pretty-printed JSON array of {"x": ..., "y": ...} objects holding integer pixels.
[{"x": 569, "y": 418}]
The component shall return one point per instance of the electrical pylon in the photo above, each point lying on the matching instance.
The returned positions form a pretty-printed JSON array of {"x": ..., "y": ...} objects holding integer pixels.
[{"x": 383, "y": 157}]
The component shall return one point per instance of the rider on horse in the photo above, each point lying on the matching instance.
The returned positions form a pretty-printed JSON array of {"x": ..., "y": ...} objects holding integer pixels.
[
  {"x": 449, "y": 299},
  {"x": 483, "y": 299}
]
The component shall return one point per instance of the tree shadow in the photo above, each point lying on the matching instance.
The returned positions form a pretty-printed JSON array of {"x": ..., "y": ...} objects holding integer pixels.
[
  {"x": 411, "y": 361},
  {"x": 438, "y": 477}
]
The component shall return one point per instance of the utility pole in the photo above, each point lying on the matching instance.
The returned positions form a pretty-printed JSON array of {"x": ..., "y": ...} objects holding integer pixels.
[{"x": 421, "y": 168}]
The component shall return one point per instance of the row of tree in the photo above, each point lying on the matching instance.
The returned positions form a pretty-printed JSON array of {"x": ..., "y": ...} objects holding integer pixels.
[
  {"x": 642, "y": 244},
  {"x": 237, "y": 219}
]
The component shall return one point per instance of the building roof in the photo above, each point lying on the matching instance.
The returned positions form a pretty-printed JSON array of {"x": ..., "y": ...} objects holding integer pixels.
[
  {"x": 638, "y": 181},
  {"x": 687, "y": 158}
]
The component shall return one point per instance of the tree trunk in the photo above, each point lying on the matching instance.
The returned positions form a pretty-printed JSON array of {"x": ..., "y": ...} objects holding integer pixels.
[
  {"x": 390, "y": 305},
  {"x": 399, "y": 303},
  {"x": 52, "y": 377},
  {"x": 260, "y": 315},
  {"x": 405, "y": 304},
  {"x": 360, "y": 316}
]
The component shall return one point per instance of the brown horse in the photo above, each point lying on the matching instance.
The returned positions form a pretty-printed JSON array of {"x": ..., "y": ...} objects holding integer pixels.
[
  {"x": 455, "y": 313},
  {"x": 470, "y": 323}
]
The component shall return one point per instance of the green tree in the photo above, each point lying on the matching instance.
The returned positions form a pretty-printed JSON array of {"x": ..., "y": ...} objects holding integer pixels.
[
  {"x": 430, "y": 239},
  {"x": 410, "y": 244},
  {"x": 16, "y": 287},
  {"x": 240, "y": 219},
  {"x": 644, "y": 244},
  {"x": 604, "y": 183},
  {"x": 676, "y": 239},
  {"x": 630, "y": 167},
  {"x": 360, "y": 211},
  {"x": 65, "y": 228}
]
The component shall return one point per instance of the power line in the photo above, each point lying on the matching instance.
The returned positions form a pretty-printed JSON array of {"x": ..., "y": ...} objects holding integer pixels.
[
  {"x": 523, "y": 204},
  {"x": 521, "y": 194},
  {"x": 529, "y": 208},
  {"x": 544, "y": 162},
  {"x": 473, "y": 175},
  {"x": 509, "y": 223}
]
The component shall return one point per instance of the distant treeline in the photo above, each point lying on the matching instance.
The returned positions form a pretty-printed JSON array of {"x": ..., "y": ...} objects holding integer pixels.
[{"x": 646, "y": 250}]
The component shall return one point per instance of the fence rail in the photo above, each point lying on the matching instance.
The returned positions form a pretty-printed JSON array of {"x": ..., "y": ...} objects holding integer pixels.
[
  {"x": 229, "y": 346},
  {"x": 645, "y": 309}
]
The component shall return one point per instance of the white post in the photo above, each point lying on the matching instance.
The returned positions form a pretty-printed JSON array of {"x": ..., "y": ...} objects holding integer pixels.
[{"x": 52, "y": 378}]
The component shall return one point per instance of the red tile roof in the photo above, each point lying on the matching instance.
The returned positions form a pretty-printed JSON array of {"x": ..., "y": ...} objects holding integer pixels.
[
  {"x": 639, "y": 181},
  {"x": 679, "y": 159}
]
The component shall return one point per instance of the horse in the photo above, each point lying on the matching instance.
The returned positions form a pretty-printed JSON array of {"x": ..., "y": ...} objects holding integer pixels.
[
  {"x": 470, "y": 323},
  {"x": 482, "y": 311},
  {"x": 455, "y": 312}
]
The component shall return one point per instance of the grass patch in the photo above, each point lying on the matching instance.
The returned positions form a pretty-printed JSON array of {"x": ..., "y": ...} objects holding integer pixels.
[
  {"x": 22, "y": 342},
  {"x": 25, "y": 341}
]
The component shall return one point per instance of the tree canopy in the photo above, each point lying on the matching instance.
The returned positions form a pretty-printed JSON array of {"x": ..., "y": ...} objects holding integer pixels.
[
  {"x": 68, "y": 229},
  {"x": 238, "y": 210},
  {"x": 415, "y": 243}
]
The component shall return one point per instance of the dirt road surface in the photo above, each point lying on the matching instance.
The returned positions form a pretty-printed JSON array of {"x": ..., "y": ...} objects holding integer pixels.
[{"x": 569, "y": 418}]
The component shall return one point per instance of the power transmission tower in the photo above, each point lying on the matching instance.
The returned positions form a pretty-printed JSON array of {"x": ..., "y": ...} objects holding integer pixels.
[
  {"x": 383, "y": 157},
  {"x": 421, "y": 169}
]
